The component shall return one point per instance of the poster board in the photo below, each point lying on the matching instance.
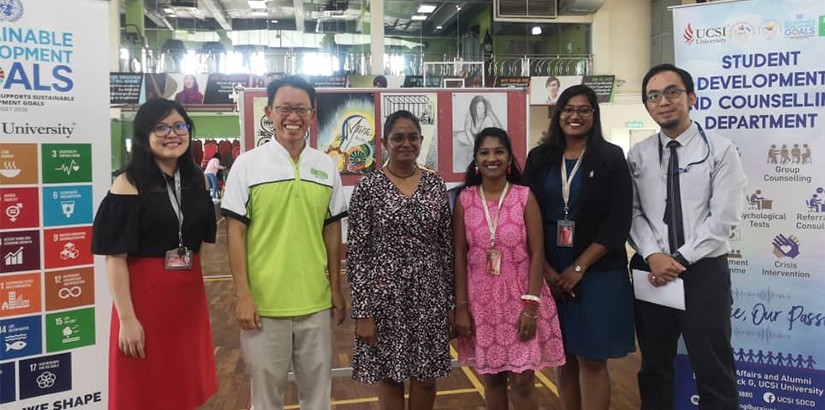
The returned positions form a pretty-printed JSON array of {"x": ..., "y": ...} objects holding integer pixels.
[
  {"x": 436, "y": 111},
  {"x": 54, "y": 167},
  {"x": 757, "y": 67}
]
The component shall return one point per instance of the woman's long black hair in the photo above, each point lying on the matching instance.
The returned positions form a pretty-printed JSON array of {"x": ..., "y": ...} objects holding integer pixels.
[
  {"x": 514, "y": 175},
  {"x": 142, "y": 170},
  {"x": 556, "y": 140}
]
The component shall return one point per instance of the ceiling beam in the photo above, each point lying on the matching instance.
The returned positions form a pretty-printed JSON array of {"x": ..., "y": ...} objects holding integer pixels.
[
  {"x": 299, "y": 15},
  {"x": 158, "y": 19},
  {"x": 217, "y": 12}
]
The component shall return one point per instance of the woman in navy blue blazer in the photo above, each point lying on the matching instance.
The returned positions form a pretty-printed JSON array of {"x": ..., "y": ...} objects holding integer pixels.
[{"x": 584, "y": 190}]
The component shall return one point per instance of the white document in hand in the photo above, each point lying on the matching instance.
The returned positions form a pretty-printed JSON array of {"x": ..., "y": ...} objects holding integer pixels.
[{"x": 670, "y": 295}]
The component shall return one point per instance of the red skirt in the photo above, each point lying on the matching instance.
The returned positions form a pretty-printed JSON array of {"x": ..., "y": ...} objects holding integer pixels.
[{"x": 178, "y": 372}]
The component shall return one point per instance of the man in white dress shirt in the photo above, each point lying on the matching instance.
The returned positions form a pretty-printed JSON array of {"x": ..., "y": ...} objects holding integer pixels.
[{"x": 689, "y": 190}]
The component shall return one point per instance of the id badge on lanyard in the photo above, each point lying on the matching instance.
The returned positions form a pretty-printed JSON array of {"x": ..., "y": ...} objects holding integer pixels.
[
  {"x": 179, "y": 258},
  {"x": 494, "y": 254},
  {"x": 566, "y": 229}
]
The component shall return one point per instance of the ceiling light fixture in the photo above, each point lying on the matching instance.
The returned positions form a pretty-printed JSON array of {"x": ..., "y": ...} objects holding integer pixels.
[
  {"x": 536, "y": 30},
  {"x": 438, "y": 27},
  {"x": 273, "y": 21},
  {"x": 418, "y": 17},
  {"x": 168, "y": 10},
  {"x": 426, "y": 8},
  {"x": 257, "y": 4}
]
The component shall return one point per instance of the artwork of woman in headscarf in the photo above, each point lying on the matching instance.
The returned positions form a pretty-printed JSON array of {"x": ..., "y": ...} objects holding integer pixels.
[{"x": 190, "y": 93}]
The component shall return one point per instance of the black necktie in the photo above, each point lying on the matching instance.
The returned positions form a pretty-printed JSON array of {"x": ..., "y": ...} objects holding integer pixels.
[{"x": 673, "y": 209}]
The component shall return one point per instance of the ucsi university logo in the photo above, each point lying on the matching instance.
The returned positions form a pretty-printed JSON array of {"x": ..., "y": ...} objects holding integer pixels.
[{"x": 705, "y": 35}]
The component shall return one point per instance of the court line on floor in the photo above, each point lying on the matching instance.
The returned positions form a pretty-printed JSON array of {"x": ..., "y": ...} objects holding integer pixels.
[
  {"x": 469, "y": 373},
  {"x": 547, "y": 383}
]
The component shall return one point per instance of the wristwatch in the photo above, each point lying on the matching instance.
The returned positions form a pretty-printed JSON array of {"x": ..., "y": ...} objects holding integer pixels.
[
  {"x": 681, "y": 259},
  {"x": 577, "y": 268}
]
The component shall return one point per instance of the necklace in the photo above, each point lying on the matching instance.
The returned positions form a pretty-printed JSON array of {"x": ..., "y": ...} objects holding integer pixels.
[{"x": 387, "y": 168}]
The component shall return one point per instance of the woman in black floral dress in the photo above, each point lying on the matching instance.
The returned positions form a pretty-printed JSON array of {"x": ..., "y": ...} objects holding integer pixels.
[{"x": 399, "y": 264}]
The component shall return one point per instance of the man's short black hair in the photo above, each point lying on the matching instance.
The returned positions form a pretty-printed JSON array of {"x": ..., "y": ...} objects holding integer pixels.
[
  {"x": 684, "y": 75},
  {"x": 289, "y": 81}
]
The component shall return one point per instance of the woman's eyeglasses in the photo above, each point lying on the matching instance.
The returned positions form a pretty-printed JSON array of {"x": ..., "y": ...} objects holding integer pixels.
[
  {"x": 398, "y": 139},
  {"x": 582, "y": 111},
  {"x": 164, "y": 130}
]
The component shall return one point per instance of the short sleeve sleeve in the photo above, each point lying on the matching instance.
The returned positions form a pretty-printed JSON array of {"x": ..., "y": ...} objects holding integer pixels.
[
  {"x": 236, "y": 191},
  {"x": 115, "y": 229},
  {"x": 337, "y": 202}
]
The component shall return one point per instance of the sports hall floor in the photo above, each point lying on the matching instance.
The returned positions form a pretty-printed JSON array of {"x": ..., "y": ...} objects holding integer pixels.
[{"x": 461, "y": 391}]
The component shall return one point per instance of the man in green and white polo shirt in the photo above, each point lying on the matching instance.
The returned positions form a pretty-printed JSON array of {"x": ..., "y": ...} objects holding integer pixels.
[{"x": 284, "y": 203}]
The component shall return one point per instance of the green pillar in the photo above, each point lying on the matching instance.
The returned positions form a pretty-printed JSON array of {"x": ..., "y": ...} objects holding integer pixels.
[{"x": 134, "y": 17}]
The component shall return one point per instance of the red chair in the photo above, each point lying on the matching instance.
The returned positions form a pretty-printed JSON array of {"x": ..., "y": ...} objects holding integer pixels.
[
  {"x": 197, "y": 151},
  {"x": 209, "y": 150}
]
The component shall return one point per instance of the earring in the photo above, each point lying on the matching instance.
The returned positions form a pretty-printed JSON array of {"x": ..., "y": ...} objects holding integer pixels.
[{"x": 476, "y": 170}]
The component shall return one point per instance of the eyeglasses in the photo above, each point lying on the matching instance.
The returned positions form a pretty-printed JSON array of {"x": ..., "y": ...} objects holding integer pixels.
[
  {"x": 164, "y": 130},
  {"x": 671, "y": 93},
  {"x": 582, "y": 111},
  {"x": 286, "y": 110},
  {"x": 398, "y": 139}
]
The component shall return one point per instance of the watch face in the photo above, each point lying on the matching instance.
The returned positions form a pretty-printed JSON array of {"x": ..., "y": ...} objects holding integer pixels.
[{"x": 577, "y": 268}]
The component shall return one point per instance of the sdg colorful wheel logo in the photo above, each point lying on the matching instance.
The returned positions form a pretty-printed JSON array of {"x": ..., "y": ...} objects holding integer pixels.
[{"x": 11, "y": 10}]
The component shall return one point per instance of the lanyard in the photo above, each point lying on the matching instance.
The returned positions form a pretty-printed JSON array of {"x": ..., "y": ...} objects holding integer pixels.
[
  {"x": 681, "y": 170},
  {"x": 492, "y": 224},
  {"x": 175, "y": 200},
  {"x": 566, "y": 181}
]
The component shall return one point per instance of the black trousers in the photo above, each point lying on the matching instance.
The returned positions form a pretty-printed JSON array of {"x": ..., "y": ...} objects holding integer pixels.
[{"x": 705, "y": 326}]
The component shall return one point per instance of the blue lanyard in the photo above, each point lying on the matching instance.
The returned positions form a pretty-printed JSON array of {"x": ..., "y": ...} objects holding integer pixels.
[{"x": 681, "y": 170}]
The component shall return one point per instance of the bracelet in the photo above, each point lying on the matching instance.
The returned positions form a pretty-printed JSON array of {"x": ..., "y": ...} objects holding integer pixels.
[
  {"x": 463, "y": 302},
  {"x": 530, "y": 317},
  {"x": 531, "y": 303},
  {"x": 532, "y": 298}
]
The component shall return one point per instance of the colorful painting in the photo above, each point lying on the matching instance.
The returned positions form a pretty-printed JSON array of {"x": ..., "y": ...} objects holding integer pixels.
[{"x": 346, "y": 130}]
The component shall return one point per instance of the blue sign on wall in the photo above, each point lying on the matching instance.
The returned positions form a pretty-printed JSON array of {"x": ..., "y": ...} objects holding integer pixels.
[
  {"x": 67, "y": 205},
  {"x": 45, "y": 375},
  {"x": 9, "y": 391},
  {"x": 21, "y": 337}
]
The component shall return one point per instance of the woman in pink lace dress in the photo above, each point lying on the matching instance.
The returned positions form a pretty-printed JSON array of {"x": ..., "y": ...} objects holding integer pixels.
[{"x": 505, "y": 315}]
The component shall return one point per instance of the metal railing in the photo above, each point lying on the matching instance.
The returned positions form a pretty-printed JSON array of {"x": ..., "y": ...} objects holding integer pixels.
[{"x": 413, "y": 63}]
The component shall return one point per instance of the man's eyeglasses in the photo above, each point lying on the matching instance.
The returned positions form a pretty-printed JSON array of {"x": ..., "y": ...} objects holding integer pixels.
[
  {"x": 582, "y": 111},
  {"x": 398, "y": 139},
  {"x": 671, "y": 93},
  {"x": 286, "y": 110},
  {"x": 164, "y": 130}
]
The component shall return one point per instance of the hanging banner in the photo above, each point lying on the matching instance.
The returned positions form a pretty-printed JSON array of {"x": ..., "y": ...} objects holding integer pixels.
[
  {"x": 54, "y": 166},
  {"x": 760, "y": 82}
]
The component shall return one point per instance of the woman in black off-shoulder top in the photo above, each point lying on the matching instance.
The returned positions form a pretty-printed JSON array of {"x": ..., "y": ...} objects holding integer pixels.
[{"x": 160, "y": 352}]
